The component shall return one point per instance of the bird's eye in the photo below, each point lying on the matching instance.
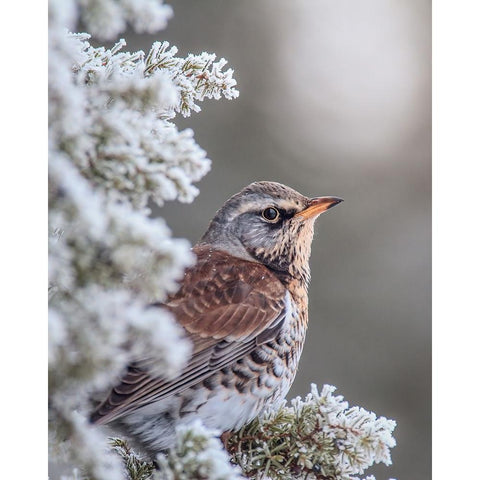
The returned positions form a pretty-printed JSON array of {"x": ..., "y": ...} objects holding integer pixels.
[{"x": 271, "y": 214}]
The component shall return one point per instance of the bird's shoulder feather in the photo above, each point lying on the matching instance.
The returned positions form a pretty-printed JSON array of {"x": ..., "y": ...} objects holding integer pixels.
[{"x": 226, "y": 298}]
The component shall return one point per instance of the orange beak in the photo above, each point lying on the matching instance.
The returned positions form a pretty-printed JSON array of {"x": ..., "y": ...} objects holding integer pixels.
[{"x": 318, "y": 205}]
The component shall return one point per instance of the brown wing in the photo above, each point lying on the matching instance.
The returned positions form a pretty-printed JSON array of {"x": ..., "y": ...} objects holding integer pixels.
[{"x": 227, "y": 307}]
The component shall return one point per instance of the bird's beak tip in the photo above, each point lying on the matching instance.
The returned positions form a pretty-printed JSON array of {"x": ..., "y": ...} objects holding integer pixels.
[
  {"x": 335, "y": 201},
  {"x": 318, "y": 205}
]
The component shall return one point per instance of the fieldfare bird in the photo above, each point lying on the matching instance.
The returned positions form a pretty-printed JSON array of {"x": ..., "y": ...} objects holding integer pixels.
[{"x": 244, "y": 308}]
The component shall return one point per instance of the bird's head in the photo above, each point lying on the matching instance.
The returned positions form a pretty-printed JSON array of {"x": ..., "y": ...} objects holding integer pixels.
[{"x": 269, "y": 223}]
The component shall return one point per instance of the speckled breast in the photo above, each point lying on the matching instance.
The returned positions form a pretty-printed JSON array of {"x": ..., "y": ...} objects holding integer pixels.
[{"x": 239, "y": 393}]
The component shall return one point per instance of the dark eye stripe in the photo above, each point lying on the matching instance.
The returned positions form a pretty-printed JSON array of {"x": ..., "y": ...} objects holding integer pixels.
[{"x": 288, "y": 213}]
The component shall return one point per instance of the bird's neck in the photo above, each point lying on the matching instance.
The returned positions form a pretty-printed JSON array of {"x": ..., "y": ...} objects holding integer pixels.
[
  {"x": 298, "y": 291},
  {"x": 296, "y": 285}
]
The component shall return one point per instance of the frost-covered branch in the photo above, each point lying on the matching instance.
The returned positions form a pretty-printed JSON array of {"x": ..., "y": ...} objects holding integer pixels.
[
  {"x": 111, "y": 114},
  {"x": 197, "y": 76},
  {"x": 319, "y": 437},
  {"x": 197, "y": 454}
]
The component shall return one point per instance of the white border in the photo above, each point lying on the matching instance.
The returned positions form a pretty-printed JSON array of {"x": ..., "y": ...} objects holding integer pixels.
[
  {"x": 456, "y": 238},
  {"x": 23, "y": 338}
]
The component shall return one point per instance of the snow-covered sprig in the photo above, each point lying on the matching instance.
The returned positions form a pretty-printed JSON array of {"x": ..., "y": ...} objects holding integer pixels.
[
  {"x": 198, "y": 453},
  {"x": 319, "y": 437},
  {"x": 194, "y": 78},
  {"x": 137, "y": 468},
  {"x": 197, "y": 76}
]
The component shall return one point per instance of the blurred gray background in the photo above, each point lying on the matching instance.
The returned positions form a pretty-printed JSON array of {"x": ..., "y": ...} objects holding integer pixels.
[{"x": 335, "y": 99}]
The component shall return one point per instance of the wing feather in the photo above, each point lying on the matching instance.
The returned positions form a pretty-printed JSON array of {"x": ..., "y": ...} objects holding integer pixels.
[{"x": 226, "y": 308}]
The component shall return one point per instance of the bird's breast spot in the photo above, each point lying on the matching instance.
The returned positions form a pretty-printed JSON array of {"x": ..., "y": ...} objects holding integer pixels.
[
  {"x": 269, "y": 382},
  {"x": 278, "y": 368}
]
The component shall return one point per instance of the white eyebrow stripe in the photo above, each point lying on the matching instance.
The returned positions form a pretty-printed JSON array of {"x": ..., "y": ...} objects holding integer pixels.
[
  {"x": 287, "y": 204},
  {"x": 254, "y": 205}
]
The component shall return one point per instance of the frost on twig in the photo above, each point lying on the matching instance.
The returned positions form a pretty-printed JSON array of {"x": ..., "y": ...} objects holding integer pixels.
[
  {"x": 198, "y": 453},
  {"x": 319, "y": 437},
  {"x": 197, "y": 76},
  {"x": 137, "y": 468}
]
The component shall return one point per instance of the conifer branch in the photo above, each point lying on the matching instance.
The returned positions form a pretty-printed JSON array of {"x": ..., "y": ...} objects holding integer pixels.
[{"x": 320, "y": 437}]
